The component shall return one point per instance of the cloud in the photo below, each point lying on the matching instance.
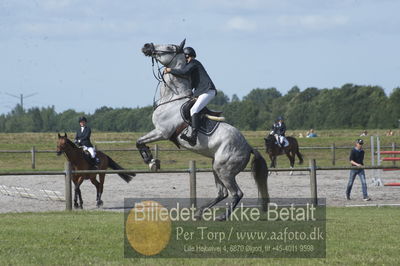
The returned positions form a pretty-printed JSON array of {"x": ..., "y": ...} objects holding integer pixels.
[
  {"x": 312, "y": 22},
  {"x": 66, "y": 29},
  {"x": 54, "y": 4},
  {"x": 241, "y": 24}
]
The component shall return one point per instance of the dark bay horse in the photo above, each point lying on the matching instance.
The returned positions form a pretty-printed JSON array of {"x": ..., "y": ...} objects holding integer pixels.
[
  {"x": 273, "y": 150},
  {"x": 79, "y": 161}
]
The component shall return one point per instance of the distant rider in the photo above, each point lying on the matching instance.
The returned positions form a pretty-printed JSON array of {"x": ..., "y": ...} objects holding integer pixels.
[
  {"x": 82, "y": 139},
  {"x": 278, "y": 131},
  {"x": 204, "y": 89}
]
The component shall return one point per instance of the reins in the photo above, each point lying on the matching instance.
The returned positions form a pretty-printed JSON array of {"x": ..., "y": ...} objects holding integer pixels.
[{"x": 159, "y": 76}]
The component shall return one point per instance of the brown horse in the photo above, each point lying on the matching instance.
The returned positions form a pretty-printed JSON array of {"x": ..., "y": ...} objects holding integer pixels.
[
  {"x": 273, "y": 150},
  {"x": 81, "y": 161}
]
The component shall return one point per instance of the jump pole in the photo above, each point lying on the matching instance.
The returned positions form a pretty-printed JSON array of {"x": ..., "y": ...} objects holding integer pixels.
[
  {"x": 372, "y": 152},
  {"x": 393, "y": 159},
  {"x": 376, "y": 180}
]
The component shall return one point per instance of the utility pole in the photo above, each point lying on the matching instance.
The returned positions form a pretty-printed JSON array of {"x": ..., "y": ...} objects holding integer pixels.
[{"x": 21, "y": 97}]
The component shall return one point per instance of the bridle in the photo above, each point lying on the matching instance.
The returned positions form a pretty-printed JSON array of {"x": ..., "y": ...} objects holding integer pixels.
[{"x": 159, "y": 76}]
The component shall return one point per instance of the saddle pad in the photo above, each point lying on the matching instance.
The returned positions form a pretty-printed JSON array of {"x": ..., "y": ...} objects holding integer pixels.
[{"x": 207, "y": 126}]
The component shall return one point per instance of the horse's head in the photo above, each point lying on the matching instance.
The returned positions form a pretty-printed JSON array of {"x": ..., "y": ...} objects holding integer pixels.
[
  {"x": 164, "y": 53},
  {"x": 62, "y": 142}
]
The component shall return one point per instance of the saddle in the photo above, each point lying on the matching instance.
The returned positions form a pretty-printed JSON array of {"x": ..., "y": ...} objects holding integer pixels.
[
  {"x": 271, "y": 141},
  {"x": 88, "y": 158},
  {"x": 207, "y": 126}
]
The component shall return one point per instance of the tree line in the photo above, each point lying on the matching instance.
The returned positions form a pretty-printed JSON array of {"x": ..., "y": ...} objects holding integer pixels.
[{"x": 350, "y": 106}]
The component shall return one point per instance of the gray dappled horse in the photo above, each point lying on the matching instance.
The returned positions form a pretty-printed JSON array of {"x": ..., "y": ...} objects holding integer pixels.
[{"x": 227, "y": 147}]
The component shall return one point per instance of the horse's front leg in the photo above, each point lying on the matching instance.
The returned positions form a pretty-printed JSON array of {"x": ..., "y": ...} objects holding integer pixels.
[
  {"x": 75, "y": 180},
  {"x": 78, "y": 193},
  {"x": 144, "y": 150}
]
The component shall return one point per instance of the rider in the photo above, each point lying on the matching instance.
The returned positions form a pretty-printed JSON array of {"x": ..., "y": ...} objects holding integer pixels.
[
  {"x": 204, "y": 89},
  {"x": 82, "y": 139},
  {"x": 278, "y": 130}
]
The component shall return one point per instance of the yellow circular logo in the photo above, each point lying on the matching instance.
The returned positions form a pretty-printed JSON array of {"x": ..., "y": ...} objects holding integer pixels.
[{"x": 148, "y": 227}]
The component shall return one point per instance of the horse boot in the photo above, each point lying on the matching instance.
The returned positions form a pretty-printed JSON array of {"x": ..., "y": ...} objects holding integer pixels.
[{"x": 192, "y": 139}]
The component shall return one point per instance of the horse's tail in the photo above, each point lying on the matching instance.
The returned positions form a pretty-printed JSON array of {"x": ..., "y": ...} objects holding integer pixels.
[
  {"x": 296, "y": 149},
  {"x": 113, "y": 165},
  {"x": 259, "y": 170},
  {"x": 300, "y": 156}
]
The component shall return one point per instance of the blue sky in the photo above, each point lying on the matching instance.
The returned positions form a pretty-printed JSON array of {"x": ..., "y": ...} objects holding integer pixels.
[{"x": 86, "y": 54}]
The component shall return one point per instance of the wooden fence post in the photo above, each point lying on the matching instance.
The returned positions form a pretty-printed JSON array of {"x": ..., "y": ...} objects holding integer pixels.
[
  {"x": 193, "y": 196},
  {"x": 313, "y": 182},
  {"x": 68, "y": 186},
  {"x": 156, "y": 150},
  {"x": 33, "y": 157},
  {"x": 333, "y": 154}
]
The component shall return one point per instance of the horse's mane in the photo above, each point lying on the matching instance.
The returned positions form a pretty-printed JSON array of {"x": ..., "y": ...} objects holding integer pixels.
[{"x": 71, "y": 143}]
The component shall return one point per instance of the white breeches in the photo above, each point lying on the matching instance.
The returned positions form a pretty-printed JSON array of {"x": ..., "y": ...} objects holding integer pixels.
[
  {"x": 91, "y": 150},
  {"x": 202, "y": 101},
  {"x": 282, "y": 139}
]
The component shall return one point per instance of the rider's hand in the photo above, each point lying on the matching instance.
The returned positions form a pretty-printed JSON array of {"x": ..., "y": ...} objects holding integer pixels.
[{"x": 167, "y": 70}]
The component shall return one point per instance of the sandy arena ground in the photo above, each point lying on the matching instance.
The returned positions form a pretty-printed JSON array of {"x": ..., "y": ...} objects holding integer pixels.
[{"x": 46, "y": 193}]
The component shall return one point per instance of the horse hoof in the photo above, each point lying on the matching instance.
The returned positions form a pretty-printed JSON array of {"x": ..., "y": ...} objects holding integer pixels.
[
  {"x": 81, "y": 207},
  {"x": 154, "y": 165},
  {"x": 221, "y": 218},
  {"x": 99, "y": 203},
  {"x": 197, "y": 216},
  {"x": 76, "y": 206}
]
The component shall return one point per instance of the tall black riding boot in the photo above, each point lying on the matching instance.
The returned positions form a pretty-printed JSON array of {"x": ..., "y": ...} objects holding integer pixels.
[
  {"x": 97, "y": 160},
  {"x": 192, "y": 139}
]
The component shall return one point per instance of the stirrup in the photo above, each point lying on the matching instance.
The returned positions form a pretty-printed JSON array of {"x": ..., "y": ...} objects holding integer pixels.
[{"x": 191, "y": 140}]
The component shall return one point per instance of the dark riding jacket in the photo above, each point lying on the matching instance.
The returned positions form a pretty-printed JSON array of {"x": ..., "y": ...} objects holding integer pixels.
[
  {"x": 201, "y": 81},
  {"x": 279, "y": 129},
  {"x": 82, "y": 138}
]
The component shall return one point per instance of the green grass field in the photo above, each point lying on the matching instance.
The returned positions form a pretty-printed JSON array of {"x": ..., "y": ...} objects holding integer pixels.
[
  {"x": 355, "y": 236},
  {"x": 174, "y": 159}
]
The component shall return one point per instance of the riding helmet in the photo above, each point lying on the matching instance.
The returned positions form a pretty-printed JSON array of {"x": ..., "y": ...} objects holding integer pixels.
[
  {"x": 360, "y": 141},
  {"x": 279, "y": 118},
  {"x": 189, "y": 51},
  {"x": 82, "y": 118}
]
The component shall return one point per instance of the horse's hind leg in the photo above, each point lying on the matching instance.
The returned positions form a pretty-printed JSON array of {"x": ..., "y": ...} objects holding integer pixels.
[
  {"x": 226, "y": 170},
  {"x": 237, "y": 194},
  {"x": 291, "y": 157},
  {"x": 221, "y": 195}
]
